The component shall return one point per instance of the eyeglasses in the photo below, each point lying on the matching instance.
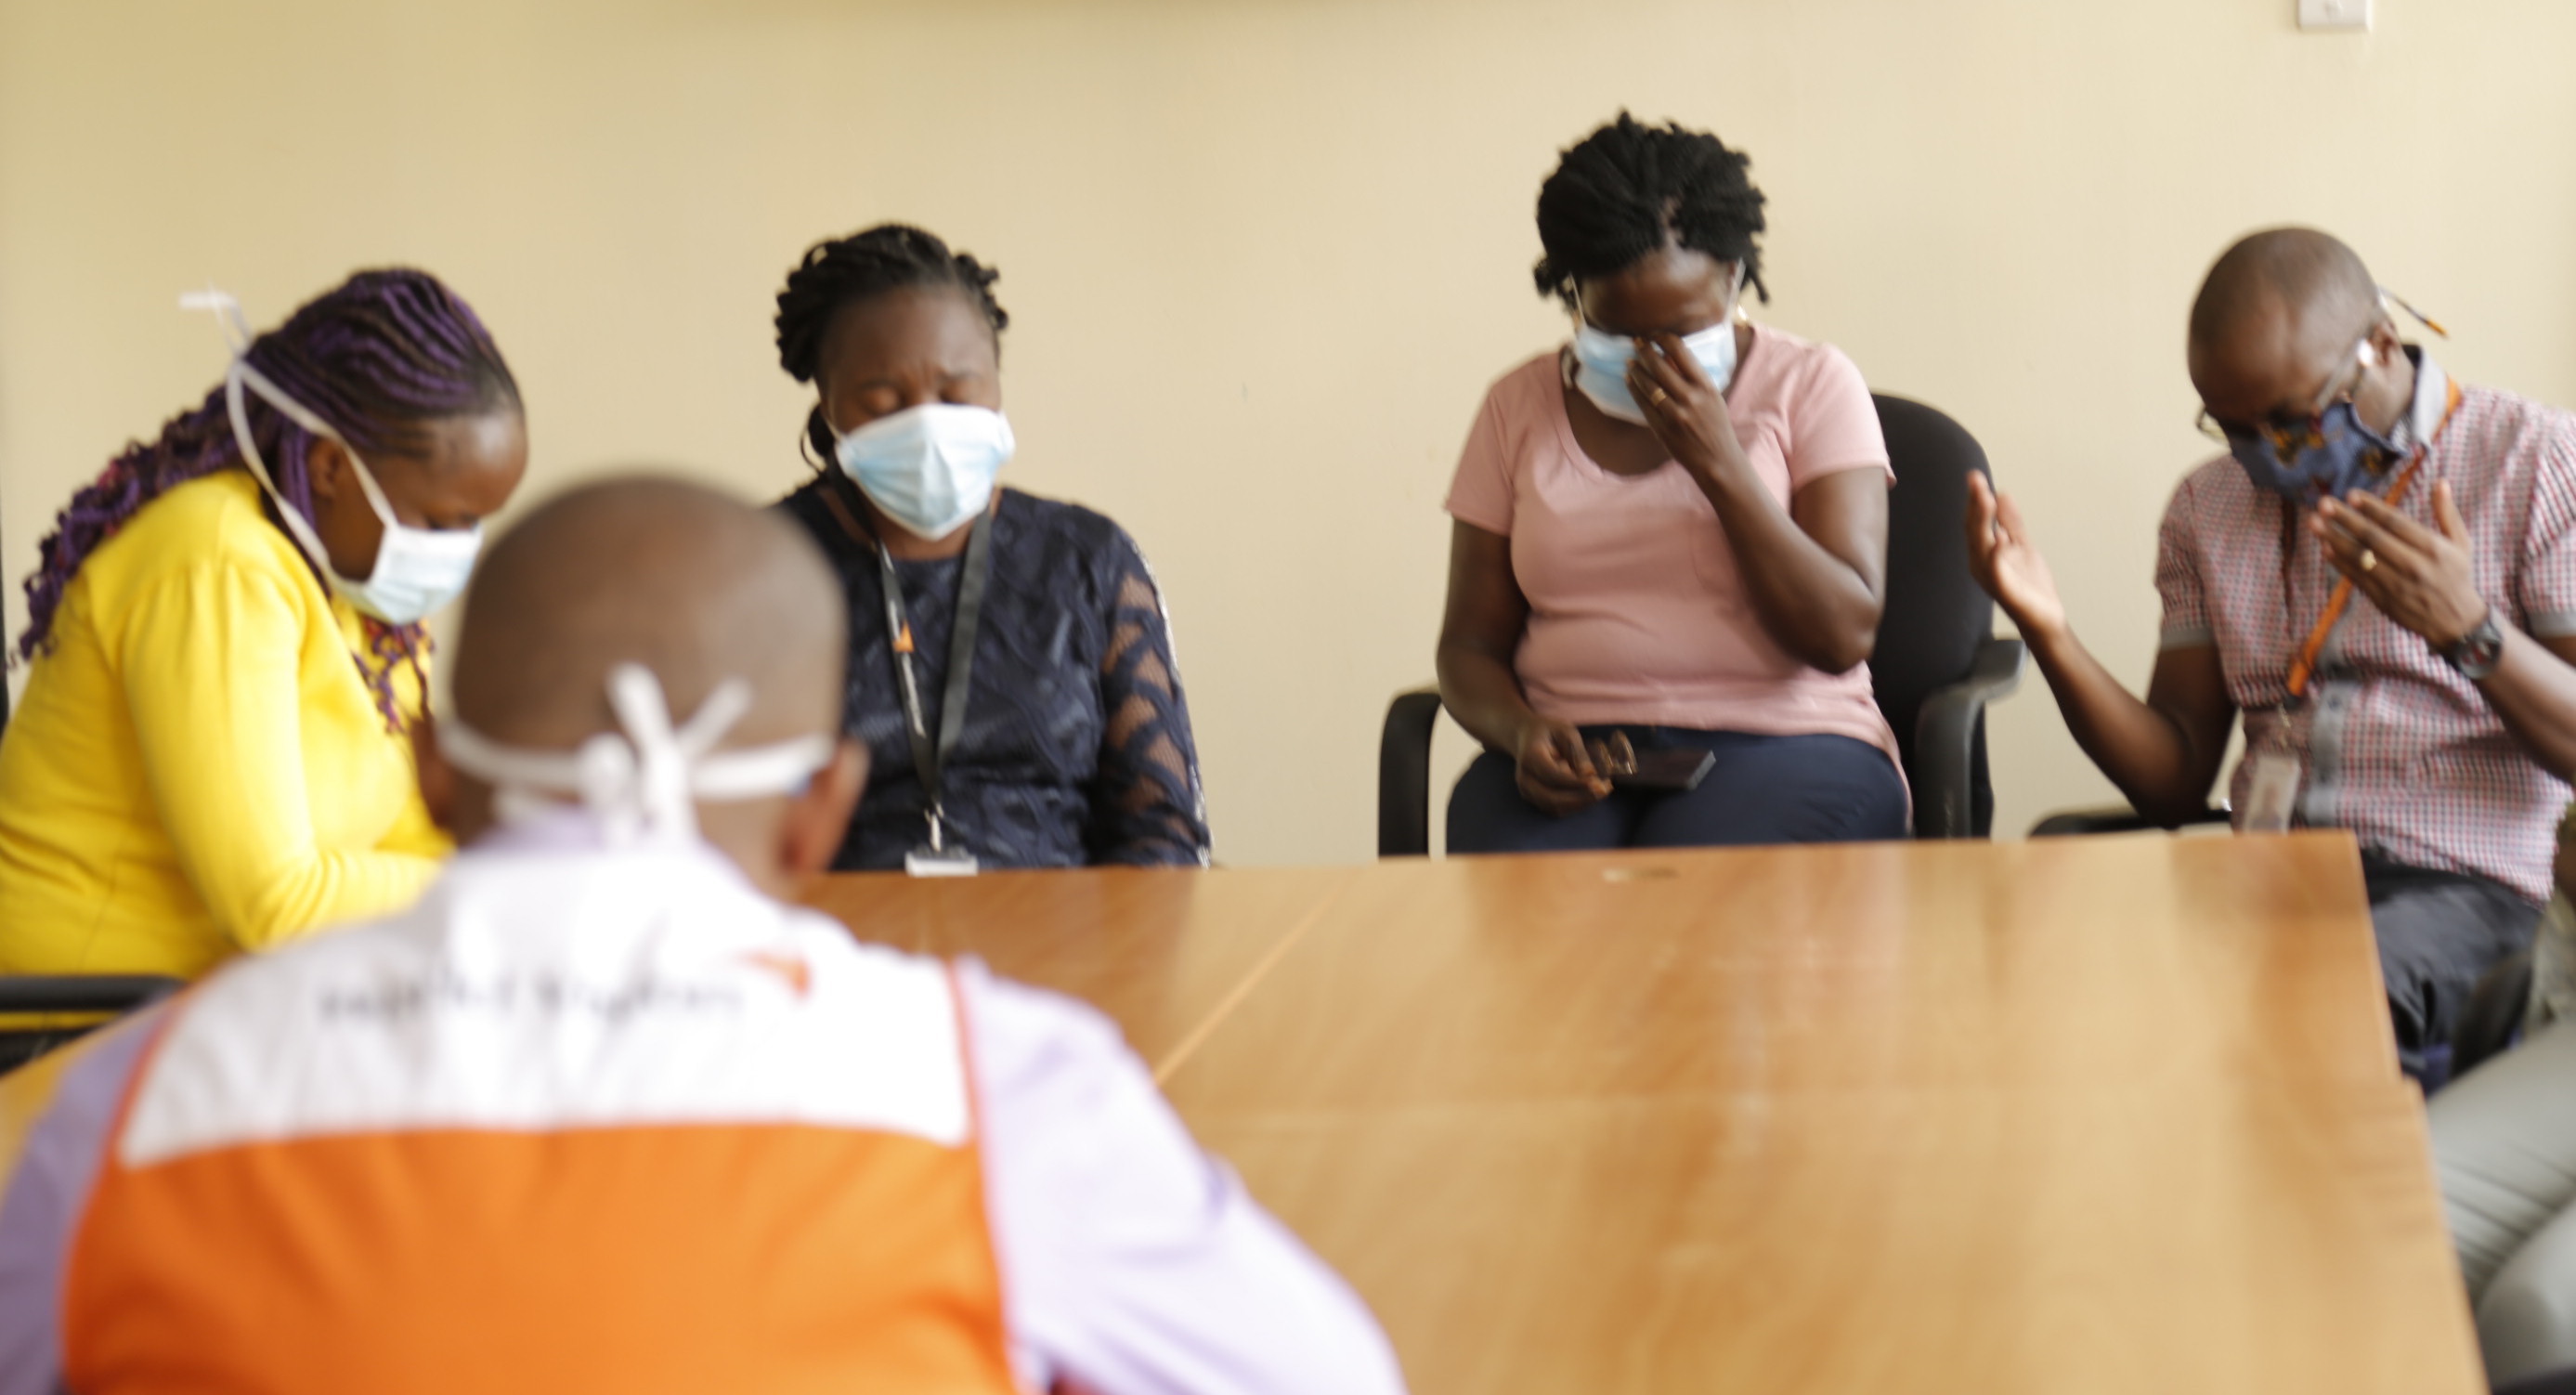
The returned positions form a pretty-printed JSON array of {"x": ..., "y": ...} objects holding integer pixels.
[{"x": 2290, "y": 435}]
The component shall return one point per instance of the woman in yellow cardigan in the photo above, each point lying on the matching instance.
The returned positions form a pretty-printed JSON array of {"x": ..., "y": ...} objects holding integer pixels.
[{"x": 213, "y": 750}]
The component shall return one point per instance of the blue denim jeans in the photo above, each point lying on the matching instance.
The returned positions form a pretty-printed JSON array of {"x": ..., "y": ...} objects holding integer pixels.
[{"x": 1763, "y": 789}]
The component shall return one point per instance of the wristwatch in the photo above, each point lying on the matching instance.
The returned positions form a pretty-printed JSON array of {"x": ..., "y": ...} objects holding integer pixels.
[{"x": 2477, "y": 653}]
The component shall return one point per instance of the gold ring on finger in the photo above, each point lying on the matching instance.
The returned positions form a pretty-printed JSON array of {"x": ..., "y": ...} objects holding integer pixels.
[
  {"x": 1658, "y": 396},
  {"x": 2369, "y": 560}
]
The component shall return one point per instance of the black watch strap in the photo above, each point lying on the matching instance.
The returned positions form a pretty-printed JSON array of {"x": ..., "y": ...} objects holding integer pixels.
[{"x": 2479, "y": 651}]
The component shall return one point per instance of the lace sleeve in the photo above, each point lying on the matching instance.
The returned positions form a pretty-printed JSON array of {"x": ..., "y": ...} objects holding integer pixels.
[{"x": 1146, "y": 808}]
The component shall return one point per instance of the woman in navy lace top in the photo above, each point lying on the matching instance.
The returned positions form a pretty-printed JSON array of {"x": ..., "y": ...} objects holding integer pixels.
[{"x": 1075, "y": 743}]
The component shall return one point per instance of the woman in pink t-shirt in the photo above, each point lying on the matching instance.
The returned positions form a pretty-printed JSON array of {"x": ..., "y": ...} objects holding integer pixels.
[{"x": 1671, "y": 533}]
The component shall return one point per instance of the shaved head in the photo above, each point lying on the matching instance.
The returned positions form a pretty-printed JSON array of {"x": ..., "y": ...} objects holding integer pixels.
[
  {"x": 681, "y": 579},
  {"x": 2288, "y": 315},
  {"x": 2317, "y": 280}
]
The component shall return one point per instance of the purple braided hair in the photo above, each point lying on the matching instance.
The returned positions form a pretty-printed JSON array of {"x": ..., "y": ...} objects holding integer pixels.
[{"x": 380, "y": 357}]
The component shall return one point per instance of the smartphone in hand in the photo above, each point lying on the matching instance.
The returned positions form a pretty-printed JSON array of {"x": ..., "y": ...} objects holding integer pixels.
[
  {"x": 1673, "y": 768},
  {"x": 1676, "y": 768}
]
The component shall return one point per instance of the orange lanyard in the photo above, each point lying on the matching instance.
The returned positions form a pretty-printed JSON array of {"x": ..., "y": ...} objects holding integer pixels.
[{"x": 2305, "y": 668}]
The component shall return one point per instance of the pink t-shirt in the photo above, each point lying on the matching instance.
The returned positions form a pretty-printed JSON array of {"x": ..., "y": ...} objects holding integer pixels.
[{"x": 1638, "y": 612}]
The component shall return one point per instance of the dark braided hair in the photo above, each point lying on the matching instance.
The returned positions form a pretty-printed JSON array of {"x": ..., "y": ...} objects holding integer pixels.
[
  {"x": 1627, "y": 190},
  {"x": 863, "y": 266},
  {"x": 380, "y": 357}
]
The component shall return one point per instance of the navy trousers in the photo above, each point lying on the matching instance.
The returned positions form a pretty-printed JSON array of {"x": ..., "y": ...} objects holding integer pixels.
[
  {"x": 2438, "y": 934},
  {"x": 1763, "y": 789}
]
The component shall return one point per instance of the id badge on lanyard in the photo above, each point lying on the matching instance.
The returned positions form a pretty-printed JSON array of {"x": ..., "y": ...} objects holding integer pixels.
[
  {"x": 2272, "y": 791},
  {"x": 2275, "y": 772},
  {"x": 929, "y": 860},
  {"x": 938, "y": 855}
]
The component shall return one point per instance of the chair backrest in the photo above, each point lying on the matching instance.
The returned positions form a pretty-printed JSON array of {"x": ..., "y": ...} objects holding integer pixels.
[{"x": 1935, "y": 617}]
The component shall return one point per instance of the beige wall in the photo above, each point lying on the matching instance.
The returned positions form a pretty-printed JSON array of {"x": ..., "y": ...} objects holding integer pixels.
[{"x": 1263, "y": 256}]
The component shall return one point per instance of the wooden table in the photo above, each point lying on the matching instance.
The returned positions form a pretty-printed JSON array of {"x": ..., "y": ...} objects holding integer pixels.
[
  {"x": 2109, "y": 1114},
  {"x": 1166, "y": 953}
]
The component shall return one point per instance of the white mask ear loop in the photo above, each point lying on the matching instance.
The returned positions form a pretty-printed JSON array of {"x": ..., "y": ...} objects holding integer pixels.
[
  {"x": 662, "y": 757},
  {"x": 647, "y": 782},
  {"x": 227, "y": 312},
  {"x": 236, "y": 329}
]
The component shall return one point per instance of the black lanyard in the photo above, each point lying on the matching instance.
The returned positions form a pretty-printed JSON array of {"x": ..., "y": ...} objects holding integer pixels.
[{"x": 928, "y": 761}]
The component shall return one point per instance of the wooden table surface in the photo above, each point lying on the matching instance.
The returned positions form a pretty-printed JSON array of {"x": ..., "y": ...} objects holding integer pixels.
[
  {"x": 2105, "y": 1114},
  {"x": 1165, "y": 953}
]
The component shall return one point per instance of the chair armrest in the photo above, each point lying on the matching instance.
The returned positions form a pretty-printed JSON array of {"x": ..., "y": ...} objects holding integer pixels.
[
  {"x": 2073, "y": 823},
  {"x": 83, "y": 992},
  {"x": 1404, "y": 774},
  {"x": 2559, "y": 1382},
  {"x": 1945, "y": 731}
]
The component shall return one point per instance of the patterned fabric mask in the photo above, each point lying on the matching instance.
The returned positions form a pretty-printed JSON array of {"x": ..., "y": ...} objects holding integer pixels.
[{"x": 2325, "y": 458}]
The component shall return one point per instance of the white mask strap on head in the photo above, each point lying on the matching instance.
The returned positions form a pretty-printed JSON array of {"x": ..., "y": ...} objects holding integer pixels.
[
  {"x": 228, "y": 315},
  {"x": 644, "y": 784}
]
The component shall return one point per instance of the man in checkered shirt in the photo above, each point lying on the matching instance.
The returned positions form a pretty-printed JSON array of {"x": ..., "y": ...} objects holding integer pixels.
[{"x": 2432, "y": 711}]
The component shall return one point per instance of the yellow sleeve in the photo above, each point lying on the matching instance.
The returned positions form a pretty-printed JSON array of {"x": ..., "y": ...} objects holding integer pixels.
[
  {"x": 414, "y": 835},
  {"x": 210, "y": 658}
]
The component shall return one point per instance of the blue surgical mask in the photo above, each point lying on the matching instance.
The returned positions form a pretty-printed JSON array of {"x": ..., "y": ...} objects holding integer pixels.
[
  {"x": 1601, "y": 363},
  {"x": 931, "y": 467}
]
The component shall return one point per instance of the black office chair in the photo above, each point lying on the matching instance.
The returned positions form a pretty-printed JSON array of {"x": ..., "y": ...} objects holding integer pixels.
[
  {"x": 1935, "y": 668},
  {"x": 67, "y": 994}
]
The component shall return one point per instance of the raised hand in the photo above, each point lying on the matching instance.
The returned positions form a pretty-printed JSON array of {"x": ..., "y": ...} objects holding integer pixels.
[{"x": 2004, "y": 562}]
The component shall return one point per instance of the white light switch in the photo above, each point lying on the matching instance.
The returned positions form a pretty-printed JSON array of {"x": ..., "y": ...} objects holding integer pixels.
[{"x": 2334, "y": 14}]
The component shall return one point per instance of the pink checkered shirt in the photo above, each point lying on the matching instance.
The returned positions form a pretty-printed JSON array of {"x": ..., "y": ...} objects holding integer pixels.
[{"x": 2394, "y": 744}]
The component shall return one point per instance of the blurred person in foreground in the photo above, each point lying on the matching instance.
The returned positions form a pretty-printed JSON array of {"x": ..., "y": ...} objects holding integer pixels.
[
  {"x": 2504, "y": 1141},
  {"x": 604, "y": 1111}
]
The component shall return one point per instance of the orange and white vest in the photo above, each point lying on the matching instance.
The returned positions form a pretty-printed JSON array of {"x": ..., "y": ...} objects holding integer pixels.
[{"x": 606, "y": 1121}]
